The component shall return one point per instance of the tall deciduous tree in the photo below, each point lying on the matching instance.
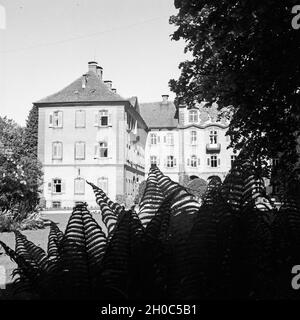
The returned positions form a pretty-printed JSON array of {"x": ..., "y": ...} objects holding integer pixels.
[{"x": 245, "y": 55}]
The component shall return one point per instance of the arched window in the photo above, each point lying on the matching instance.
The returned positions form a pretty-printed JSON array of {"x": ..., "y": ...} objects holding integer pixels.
[{"x": 193, "y": 116}]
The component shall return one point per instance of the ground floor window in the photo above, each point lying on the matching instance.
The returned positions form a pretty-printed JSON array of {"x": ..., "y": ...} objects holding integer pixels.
[
  {"x": 103, "y": 184},
  {"x": 57, "y": 186},
  {"x": 171, "y": 162},
  {"x": 56, "y": 204},
  {"x": 153, "y": 160},
  {"x": 79, "y": 186}
]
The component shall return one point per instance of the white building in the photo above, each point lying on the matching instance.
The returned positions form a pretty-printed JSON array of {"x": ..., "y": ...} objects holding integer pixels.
[
  {"x": 89, "y": 132},
  {"x": 188, "y": 142}
]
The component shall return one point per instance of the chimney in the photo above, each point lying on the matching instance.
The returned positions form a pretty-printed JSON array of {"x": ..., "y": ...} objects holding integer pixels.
[
  {"x": 83, "y": 80},
  {"x": 93, "y": 66},
  {"x": 165, "y": 98},
  {"x": 99, "y": 71},
  {"x": 114, "y": 90},
  {"x": 108, "y": 83}
]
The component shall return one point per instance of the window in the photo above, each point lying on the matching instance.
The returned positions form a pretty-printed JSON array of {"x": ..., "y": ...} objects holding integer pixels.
[
  {"x": 55, "y": 119},
  {"x": 56, "y": 204},
  {"x": 153, "y": 160},
  {"x": 193, "y": 161},
  {"x": 171, "y": 162},
  {"x": 213, "y": 137},
  {"x": 193, "y": 137},
  {"x": 103, "y": 114},
  {"x": 232, "y": 158},
  {"x": 79, "y": 150},
  {"x": 193, "y": 116},
  {"x": 57, "y": 150},
  {"x": 103, "y": 149},
  {"x": 80, "y": 119},
  {"x": 103, "y": 184},
  {"x": 79, "y": 186},
  {"x": 102, "y": 118},
  {"x": 57, "y": 186},
  {"x": 170, "y": 139},
  {"x": 153, "y": 138},
  {"x": 213, "y": 161}
]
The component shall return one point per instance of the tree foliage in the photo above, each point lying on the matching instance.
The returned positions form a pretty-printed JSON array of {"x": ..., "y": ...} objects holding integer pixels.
[
  {"x": 245, "y": 56},
  {"x": 20, "y": 170}
]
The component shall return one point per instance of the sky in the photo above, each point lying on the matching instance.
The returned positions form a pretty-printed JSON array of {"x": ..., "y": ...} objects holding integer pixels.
[{"x": 45, "y": 45}]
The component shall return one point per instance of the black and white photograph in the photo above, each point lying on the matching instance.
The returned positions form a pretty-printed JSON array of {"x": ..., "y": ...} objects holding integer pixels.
[{"x": 149, "y": 153}]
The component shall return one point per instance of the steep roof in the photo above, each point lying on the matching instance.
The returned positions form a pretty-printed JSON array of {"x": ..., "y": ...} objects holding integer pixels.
[
  {"x": 95, "y": 90},
  {"x": 159, "y": 114}
]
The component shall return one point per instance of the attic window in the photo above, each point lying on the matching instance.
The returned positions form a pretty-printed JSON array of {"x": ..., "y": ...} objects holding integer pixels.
[{"x": 92, "y": 90}]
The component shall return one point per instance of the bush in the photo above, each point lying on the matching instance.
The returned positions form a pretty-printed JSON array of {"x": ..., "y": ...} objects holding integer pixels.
[{"x": 12, "y": 221}]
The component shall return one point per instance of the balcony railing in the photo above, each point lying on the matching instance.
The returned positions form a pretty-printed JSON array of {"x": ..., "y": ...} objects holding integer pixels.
[{"x": 213, "y": 147}]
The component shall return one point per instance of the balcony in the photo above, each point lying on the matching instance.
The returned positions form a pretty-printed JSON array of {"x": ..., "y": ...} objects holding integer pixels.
[{"x": 210, "y": 147}]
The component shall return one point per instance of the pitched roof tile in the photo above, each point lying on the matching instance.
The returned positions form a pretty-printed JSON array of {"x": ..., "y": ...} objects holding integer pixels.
[{"x": 95, "y": 90}]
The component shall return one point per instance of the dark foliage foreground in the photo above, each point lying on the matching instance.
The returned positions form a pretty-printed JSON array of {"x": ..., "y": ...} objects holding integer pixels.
[{"x": 235, "y": 245}]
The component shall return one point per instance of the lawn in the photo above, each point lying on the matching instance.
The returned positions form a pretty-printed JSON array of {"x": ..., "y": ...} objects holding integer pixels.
[{"x": 39, "y": 237}]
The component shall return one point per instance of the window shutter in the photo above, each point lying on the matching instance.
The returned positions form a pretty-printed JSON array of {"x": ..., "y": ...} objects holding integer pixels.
[
  {"x": 109, "y": 119},
  {"x": 158, "y": 161},
  {"x": 174, "y": 161},
  {"x": 51, "y": 120},
  {"x": 198, "y": 161},
  {"x": 63, "y": 187},
  {"x": 60, "y": 152},
  {"x": 60, "y": 119},
  {"x": 158, "y": 139},
  {"x": 165, "y": 139},
  {"x": 96, "y": 119},
  {"x": 208, "y": 161},
  {"x": 219, "y": 161},
  {"x": 188, "y": 161},
  {"x": 165, "y": 162},
  {"x": 96, "y": 150},
  {"x": 50, "y": 186}
]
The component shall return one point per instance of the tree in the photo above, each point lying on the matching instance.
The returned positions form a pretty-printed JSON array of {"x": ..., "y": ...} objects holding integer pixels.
[
  {"x": 245, "y": 57},
  {"x": 20, "y": 170},
  {"x": 31, "y": 131}
]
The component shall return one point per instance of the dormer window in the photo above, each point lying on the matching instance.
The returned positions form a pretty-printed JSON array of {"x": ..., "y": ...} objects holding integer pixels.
[{"x": 193, "y": 116}]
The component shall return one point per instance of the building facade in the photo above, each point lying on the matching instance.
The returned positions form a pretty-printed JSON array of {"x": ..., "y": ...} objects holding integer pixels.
[
  {"x": 88, "y": 132},
  {"x": 188, "y": 143}
]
